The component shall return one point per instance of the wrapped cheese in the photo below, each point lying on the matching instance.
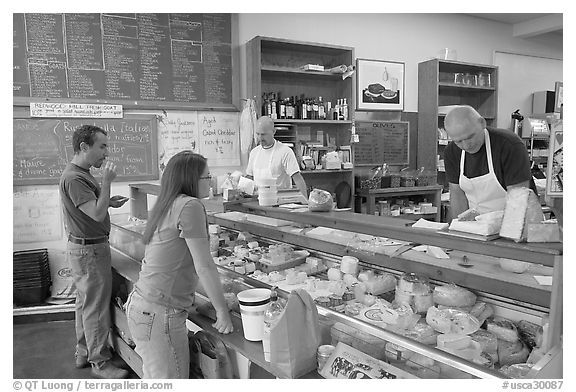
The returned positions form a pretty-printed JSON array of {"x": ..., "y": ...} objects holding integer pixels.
[
  {"x": 522, "y": 208},
  {"x": 453, "y": 340},
  {"x": 452, "y": 295},
  {"x": 468, "y": 215},
  {"x": 380, "y": 284},
  {"x": 365, "y": 275},
  {"x": 503, "y": 329},
  {"x": 518, "y": 370},
  {"x": 482, "y": 310},
  {"x": 485, "y": 360},
  {"x": 530, "y": 333},
  {"x": 510, "y": 353},
  {"x": 451, "y": 321},
  {"x": 422, "y": 332},
  {"x": 412, "y": 283},
  {"x": 349, "y": 280},
  {"x": 320, "y": 201},
  {"x": 488, "y": 342},
  {"x": 334, "y": 274}
]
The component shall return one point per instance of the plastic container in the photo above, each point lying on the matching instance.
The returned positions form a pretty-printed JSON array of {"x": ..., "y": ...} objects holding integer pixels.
[
  {"x": 253, "y": 303},
  {"x": 323, "y": 354},
  {"x": 407, "y": 178},
  {"x": 368, "y": 344}
]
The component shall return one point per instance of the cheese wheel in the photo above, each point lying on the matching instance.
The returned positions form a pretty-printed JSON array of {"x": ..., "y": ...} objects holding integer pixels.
[
  {"x": 452, "y": 295},
  {"x": 349, "y": 265},
  {"x": 334, "y": 274}
]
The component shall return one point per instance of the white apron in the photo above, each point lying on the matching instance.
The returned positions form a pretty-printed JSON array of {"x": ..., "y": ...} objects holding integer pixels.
[
  {"x": 484, "y": 193},
  {"x": 264, "y": 172}
]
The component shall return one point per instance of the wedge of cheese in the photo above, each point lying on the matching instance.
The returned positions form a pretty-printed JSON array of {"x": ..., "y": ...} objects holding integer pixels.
[
  {"x": 543, "y": 232},
  {"x": 522, "y": 208}
]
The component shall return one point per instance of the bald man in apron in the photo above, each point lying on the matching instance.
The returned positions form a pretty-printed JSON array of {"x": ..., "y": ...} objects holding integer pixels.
[
  {"x": 272, "y": 159},
  {"x": 482, "y": 163}
]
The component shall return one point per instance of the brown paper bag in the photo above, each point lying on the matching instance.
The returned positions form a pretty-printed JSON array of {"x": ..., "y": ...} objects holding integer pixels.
[{"x": 296, "y": 336}]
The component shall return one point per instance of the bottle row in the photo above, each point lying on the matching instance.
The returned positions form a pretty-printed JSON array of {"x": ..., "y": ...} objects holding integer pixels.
[{"x": 303, "y": 108}]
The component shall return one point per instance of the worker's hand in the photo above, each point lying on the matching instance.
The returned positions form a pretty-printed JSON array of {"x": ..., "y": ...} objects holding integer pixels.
[
  {"x": 223, "y": 322},
  {"x": 118, "y": 201},
  {"x": 108, "y": 172}
]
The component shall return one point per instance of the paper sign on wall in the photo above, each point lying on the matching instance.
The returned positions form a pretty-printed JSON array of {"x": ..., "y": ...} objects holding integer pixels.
[
  {"x": 214, "y": 135},
  {"x": 177, "y": 131},
  {"x": 76, "y": 110},
  {"x": 37, "y": 215},
  {"x": 219, "y": 138}
]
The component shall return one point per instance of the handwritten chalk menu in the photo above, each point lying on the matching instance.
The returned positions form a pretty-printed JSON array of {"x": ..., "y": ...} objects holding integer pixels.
[
  {"x": 43, "y": 148},
  {"x": 139, "y": 60},
  {"x": 382, "y": 142},
  {"x": 216, "y": 135},
  {"x": 36, "y": 215}
]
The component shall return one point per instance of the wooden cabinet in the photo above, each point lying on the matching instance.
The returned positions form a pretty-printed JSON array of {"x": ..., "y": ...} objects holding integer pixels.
[
  {"x": 274, "y": 66},
  {"x": 441, "y": 84}
]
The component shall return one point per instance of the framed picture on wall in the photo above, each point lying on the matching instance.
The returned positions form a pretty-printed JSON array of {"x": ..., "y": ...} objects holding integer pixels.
[
  {"x": 555, "y": 168},
  {"x": 558, "y": 100},
  {"x": 379, "y": 85}
]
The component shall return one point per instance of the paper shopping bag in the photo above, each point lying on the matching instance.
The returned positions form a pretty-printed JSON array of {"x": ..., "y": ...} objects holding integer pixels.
[{"x": 295, "y": 338}]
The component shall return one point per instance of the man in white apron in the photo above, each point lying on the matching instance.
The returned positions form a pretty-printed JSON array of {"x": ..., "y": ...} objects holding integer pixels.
[
  {"x": 482, "y": 164},
  {"x": 272, "y": 159}
]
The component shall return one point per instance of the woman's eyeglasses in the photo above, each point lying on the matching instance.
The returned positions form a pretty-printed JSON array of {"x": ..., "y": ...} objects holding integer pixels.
[{"x": 208, "y": 177}]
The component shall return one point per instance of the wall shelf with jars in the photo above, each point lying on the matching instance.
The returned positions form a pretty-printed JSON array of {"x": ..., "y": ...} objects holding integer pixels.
[
  {"x": 443, "y": 84},
  {"x": 315, "y": 105}
]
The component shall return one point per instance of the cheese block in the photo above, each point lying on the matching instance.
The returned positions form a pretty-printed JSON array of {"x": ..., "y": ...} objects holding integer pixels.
[
  {"x": 451, "y": 321},
  {"x": 365, "y": 275},
  {"x": 485, "y": 228},
  {"x": 453, "y": 340},
  {"x": 522, "y": 208},
  {"x": 468, "y": 215},
  {"x": 334, "y": 274},
  {"x": 452, "y": 295},
  {"x": 482, "y": 310},
  {"x": 488, "y": 341},
  {"x": 380, "y": 284},
  {"x": 422, "y": 332},
  {"x": 530, "y": 333},
  {"x": 503, "y": 329},
  {"x": 510, "y": 353},
  {"x": 543, "y": 232},
  {"x": 412, "y": 283}
]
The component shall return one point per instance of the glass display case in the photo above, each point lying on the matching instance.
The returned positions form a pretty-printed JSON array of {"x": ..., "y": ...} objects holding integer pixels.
[{"x": 390, "y": 248}]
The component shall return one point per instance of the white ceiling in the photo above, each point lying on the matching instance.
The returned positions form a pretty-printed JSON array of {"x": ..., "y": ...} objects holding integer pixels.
[{"x": 529, "y": 25}]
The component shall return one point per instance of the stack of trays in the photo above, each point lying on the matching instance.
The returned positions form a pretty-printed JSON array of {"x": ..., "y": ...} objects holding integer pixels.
[{"x": 31, "y": 277}]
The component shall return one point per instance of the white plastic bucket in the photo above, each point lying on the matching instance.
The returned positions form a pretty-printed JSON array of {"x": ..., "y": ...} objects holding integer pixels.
[{"x": 253, "y": 303}]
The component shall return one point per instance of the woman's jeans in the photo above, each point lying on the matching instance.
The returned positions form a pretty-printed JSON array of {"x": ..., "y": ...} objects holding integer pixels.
[{"x": 161, "y": 337}]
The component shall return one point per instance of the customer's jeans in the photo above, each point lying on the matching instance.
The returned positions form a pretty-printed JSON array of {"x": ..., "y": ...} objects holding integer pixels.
[
  {"x": 92, "y": 271},
  {"x": 161, "y": 337}
]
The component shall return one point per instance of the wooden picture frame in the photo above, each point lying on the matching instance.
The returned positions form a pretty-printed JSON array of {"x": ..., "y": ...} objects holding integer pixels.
[
  {"x": 558, "y": 96},
  {"x": 379, "y": 85}
]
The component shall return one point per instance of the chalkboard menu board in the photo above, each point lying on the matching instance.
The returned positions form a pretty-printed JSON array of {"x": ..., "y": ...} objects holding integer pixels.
[
  {"x": 141, "y": 60},
  {"x": 382, "y": 142},
  {"x": 43, "y": 148}
]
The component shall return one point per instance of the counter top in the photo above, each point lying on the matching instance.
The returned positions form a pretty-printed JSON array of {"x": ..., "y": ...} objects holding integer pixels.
[{"x": 399, "y": 229}]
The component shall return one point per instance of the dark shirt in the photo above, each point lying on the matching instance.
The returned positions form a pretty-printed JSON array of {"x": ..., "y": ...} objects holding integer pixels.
[
  {"x": 509, "y": 158},
  {"x": 77, "y": 186}
]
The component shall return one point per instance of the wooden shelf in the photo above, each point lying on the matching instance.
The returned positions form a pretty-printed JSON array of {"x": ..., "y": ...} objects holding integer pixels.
[
  {"x": 291, "y": 121},
  {"x": 269, "y": 69},
  {"x": 320, "y": 171},
  {"x": 465, "y": 87}
]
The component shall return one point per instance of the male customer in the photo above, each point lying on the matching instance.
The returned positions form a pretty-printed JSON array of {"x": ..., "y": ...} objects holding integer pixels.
[
  {"x": 272, "y": 159},
  {"x": 85, "y": 206},
  {"x": 482, "y": 163}
]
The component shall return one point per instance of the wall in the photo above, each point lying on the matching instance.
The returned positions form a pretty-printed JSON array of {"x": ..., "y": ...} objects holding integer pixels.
[{"x": 411, "y": 38}]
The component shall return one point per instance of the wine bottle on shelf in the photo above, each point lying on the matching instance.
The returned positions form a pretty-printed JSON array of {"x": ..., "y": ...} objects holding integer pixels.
[
  {"x": 315, "y": 109},
  {"x": 309, "y": 109},
  {"x": 345, "y": 110},
  {"x": 274, "y": 109},
  {"x": 303, "y": 108},
  {"x": 321, "y": 109},
  {"x": 336, "y": 115},
  {"x": 281, "y": 107},
  {"x": 289, "y": 108}
]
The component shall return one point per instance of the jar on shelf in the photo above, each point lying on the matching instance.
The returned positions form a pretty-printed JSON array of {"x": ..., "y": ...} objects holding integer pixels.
[
  {"x": 384, "y": 208},
  {"x": 484, "y": 79},
  {"x": 407, "y": 178},
  {"x": 470, "y": 79}
]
